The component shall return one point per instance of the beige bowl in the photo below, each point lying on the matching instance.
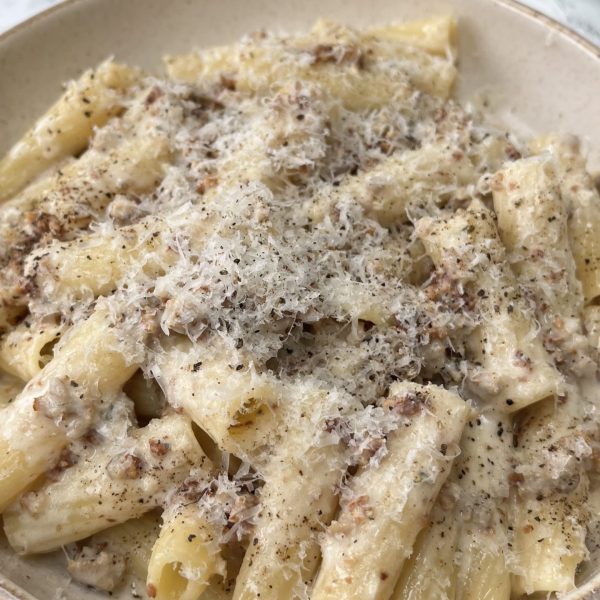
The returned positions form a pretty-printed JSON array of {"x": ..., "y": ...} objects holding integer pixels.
[{"x": 535, "y": 76}]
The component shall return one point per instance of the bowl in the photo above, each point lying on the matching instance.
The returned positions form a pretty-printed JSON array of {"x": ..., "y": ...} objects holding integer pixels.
[{"x": 533, "y": 74}]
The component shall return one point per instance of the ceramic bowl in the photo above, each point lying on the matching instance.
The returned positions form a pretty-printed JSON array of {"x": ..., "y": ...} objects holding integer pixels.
[{"x": 534, "y": 75}]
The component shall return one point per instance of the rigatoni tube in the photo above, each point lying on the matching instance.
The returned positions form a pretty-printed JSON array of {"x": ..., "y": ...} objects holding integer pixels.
[
  {"x": 386, "y": 504},
  {"x": 60, "y": 402},
  {"x": 109, "y": 486},
  {"x": 513, "y": 369}
]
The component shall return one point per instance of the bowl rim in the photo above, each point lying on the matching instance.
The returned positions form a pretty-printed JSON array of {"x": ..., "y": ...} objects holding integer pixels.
[
  {"x": 583, "y": 42},
  {"x": 11, "y": 591}
]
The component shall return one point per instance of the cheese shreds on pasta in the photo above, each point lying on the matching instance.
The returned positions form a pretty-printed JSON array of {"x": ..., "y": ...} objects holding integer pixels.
[{"x": 296, "y": 298}]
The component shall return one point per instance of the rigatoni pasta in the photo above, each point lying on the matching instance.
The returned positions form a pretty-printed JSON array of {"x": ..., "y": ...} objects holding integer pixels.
[
  {"x": 549, "y": 530},
  {"x": 186, "y": 555},
  {"x": 581, "y": 200},
  {"x": 131, "y": 479},
  {"x": 512, "y": 366},
  {"x": 380, "y": 518},
  {"x": 59, "y": 403},
  {"x": 288, "y": 322},
  {"x": 300, "y": 480},
  {"x": 66, "y": 128}
]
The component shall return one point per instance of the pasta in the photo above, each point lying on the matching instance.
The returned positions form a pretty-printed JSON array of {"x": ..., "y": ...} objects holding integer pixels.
[
  {"x": 131, "y": 482},
  {"x": 133, "y": 540},
  {"x": 257, "y": 70},
  {"x": 66, "y": 128},
  {"x": 58, "y": 404},
  {"x": 289, "y": 323},
  {"x": 10, "y": 388},
  {"x": 236, "y": 409},
  {"x": 468, "y": 520},
  {"x": 513, "y": 365},
  {"x": 23, "y": 351},
  {"x": 365, "y": 547},
  {"x": 185, "y": 557},
  {"x": 107, "y": 558},
  {"x": 548, "y": 523},
  {"x": 581, "y": 199},
  {"x": 303, "y": 503}
]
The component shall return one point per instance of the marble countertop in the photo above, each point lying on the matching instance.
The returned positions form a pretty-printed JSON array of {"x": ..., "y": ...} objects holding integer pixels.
[
  {"x": 13, "y": 12},
  {"x": 581, "y": 15}
]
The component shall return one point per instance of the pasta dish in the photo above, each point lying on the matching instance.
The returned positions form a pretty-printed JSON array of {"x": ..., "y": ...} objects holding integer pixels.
[{"x": 291, "y": 323}]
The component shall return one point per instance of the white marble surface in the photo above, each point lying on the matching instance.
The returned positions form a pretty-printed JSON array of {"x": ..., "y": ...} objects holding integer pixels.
[
  {"x": 13, "y": 12},
  {"x": 581, "y": 15}
]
